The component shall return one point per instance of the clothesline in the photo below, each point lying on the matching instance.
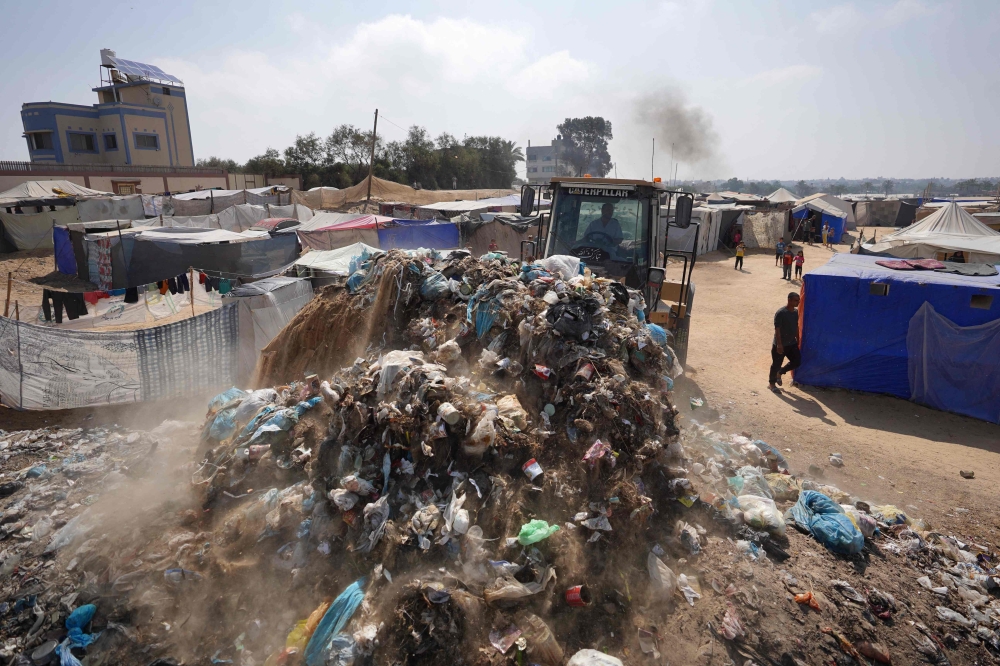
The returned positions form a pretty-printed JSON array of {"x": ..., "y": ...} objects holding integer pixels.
[{"x": 209, "y": 273}]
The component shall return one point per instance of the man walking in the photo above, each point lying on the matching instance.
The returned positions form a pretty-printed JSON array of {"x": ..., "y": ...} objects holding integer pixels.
[{"x": 786, "y": 341}]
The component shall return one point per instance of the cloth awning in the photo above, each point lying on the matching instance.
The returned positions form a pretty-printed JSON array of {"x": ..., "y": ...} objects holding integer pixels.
[{"x": 47, "y": 193}]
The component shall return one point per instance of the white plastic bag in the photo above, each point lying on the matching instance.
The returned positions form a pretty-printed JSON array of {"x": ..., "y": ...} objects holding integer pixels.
[
  {"x": 760, "y": 513},
  {"x": 662, "y": 579}
]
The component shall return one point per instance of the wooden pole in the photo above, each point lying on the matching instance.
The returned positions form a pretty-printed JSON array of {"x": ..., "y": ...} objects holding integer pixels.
[
  {"x": 192, "y": 290},
  {"x": 55, "y": 262},
  {"x": 6, "y": 305},
  {"x": 371, "y": 162},
  {"x": 17, "y": 312}
]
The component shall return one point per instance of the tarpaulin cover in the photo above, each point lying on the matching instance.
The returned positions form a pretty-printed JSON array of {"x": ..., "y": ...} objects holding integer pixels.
[
  {"x": 855, "y": 338},
  {"x": 34, "y": 231},
  {"x": 47, "y": 193},
  {"x": 832, "y": 217},
  {"x": 111, "y": 208},
  {"x": 954, "y": 368},
  {"x": 266, "y": 307},
  {"x": 833, "y": 203},
  {"x": 152, "y": 260},
  {"x": 338, "y": 221},
  {"x": 413, "y": 236},
  {"x": 949, "y": 229},
  {"x": 335, "y": 261},
  {"x": 65, "y": 259}
]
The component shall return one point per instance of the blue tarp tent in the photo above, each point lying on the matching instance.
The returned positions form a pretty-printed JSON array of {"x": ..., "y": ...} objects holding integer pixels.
[
  {"x": 831, "y": 215},
  {"x": 866, "y": 328},
  {"x": 413, "y": 234}
]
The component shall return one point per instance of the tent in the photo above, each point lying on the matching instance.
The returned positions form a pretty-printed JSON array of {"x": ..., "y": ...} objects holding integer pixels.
[
  {"x": 507, "y": 230},
  {"x": 111, "y": 208},
  {"x": 921, "y": 335},
  {"x": 781, "y": 195},
  {"x": 326, "y": 266},
  {"x": 850, "y": 222},
  {"x": 34, "y": 231},
  {"x": 328, "y": 231},
  {"x": 413, "y": 234},
  {"x": 829, "y": 214},
  {"x": 266, "y": 306},
  {"x": 706, "y": 223},
  {"x": 448, "y": 209},
  {"x": 47, "y": 193},
  {"x": 950, "y": 229}
]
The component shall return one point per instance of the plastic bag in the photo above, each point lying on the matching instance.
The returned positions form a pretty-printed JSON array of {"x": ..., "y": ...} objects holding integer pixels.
[
  {"x": 760, "y": 513},
  {"x": 543, "y": 648},
  {"x": 658, "y": 334},
  {"x": 783, "y": 487},
  {"x": 512, "y": 411},
  {"x": 392, "y": 364},
  {"x": 340, "y": 611},
  {"x": 819, "y": 515},
  {"x": 563, "y": 264},
  {"x": 593, "y": 658},
  {"x": 435, "y": 286},
  {"x": 753, "y": 482},
  {"x": 483, "y": 436},
  {"x": 685, "y": 586},
  {"x": 225, "y": 398},
  {"x": 662, "y": 579},
  {"x": 890, "y": 514},
  {"x": 865, "y": 523},
  {"x": 535, "y": 531}
]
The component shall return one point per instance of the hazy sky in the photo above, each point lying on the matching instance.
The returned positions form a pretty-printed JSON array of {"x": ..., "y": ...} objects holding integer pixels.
[{"x": 794, "y": 89}]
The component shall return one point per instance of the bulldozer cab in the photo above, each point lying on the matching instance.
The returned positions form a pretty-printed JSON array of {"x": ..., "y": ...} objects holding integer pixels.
[{"x": 610, "y": 224}]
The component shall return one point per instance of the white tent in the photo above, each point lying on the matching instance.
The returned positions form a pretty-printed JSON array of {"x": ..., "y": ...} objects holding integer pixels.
[
  {"x": 835, "y": 202},
  {"x": 781, "y": 195},
  {"x": 821, "y": 206},
  {"x": 950, "y": 229},
  {"x": 35, "y": 190}
]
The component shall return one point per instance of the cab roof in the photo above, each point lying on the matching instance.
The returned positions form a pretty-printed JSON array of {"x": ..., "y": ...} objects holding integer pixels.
[{"x": 605, "y": 181}]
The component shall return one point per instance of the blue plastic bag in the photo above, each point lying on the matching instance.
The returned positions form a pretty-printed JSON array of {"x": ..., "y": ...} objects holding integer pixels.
[
  {"x": 335, "y": 618},
  {"x": 434, "y": 287},
  {"x": 658, "y": 334},
  {"x": 826, "y": 521},
  {"x": 224, "y": 398}
]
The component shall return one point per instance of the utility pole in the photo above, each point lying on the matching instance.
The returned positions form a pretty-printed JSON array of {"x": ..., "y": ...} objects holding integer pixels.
[
  {"x": 671, "y": 160},
  {"x": 371, "y": 162},
  {"x": 651, "y": 159}
]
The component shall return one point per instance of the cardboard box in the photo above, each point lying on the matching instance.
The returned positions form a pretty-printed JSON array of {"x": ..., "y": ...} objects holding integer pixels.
[
  {"x": 671, "y": 291},
  {"x": 666, "y": 311}
]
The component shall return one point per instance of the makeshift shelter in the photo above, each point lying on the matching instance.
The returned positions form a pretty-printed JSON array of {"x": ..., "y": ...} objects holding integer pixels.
[
  {"x": 385, "y": 190},
  {"x": 850, "y": 222},
  {"x": 915, "y": 334},
  {"x": 47, "y": 193},
  {"x": 507, "y": 230},
  {"x": 950, "y": 229},
  {"x": 413, "y": 234},
  {"x": 111, "y": 208},
  {"x": 473, "y": 208},
  {"x": 34, "y": 231},
  {"x": 266, "y": 306},
  {"x": 329, "y": 231},
  {"x": 761, "y": 230},
  {"x": 705, "y": 225},
  {"x": 325, "y": 266},
  {"x": 829, "y": 214},
  {"x": 781, "y": 195},
  {"x": 68, "y": 240}
]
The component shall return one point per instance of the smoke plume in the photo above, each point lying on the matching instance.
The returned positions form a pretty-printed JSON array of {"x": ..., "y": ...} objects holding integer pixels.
[{"x": 672, "y": 121}]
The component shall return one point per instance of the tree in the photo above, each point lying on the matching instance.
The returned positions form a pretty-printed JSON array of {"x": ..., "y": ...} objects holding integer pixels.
[
  {"x": 584, "y": 145},
  {"x": 867, "y": 185},
  {"x": 352, "y": 147},
  {"x": 268, "y": 164},
  {"x": 419, "y": 158},
  {"x": 232, "y": 166},
  {"x": 888, "y": 186},
  {"x": 804, "y": 189},
  {"x": 838, "y": 190},
  {"x": 732, "y": 185}
]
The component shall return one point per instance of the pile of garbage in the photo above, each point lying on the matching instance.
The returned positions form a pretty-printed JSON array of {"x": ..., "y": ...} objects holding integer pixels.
[{"x": 498, "y": 477}]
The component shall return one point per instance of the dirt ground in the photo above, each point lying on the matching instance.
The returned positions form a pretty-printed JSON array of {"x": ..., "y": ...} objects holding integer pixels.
[
  {"x": 894, "y": 451},
  {"x": 34, "y": 270}
]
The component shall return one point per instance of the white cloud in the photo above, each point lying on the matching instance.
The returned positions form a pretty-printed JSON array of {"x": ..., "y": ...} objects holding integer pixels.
[
  {"x": 836, "y": 19},
  {"x": 453, "y": 75},
  {"x": 784, "y": 75},
  {"x": 848, "y": 17}
]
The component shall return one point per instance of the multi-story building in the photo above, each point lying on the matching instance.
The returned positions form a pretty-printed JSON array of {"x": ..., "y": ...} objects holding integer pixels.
[
  {"x": 141, "y": 119},
  {"x": 542, "y": 162}
]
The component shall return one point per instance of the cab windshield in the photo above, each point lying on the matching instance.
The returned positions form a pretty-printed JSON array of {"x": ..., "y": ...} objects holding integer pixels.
[{"x": 608, "y": 233}]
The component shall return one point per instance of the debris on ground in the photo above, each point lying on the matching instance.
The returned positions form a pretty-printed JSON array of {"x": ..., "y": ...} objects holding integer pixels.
[{"x": 496, "y": 474}]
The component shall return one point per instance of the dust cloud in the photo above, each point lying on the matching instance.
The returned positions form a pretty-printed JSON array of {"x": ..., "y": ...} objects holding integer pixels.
[{"x": 673, "y": 122}]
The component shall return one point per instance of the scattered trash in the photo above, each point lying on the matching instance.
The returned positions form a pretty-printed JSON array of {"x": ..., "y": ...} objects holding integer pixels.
[
  {"x": 967, "y": 474},
  {"x": 696, "y": 403}
]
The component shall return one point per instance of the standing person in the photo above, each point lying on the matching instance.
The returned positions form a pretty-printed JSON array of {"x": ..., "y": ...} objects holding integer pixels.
[
  {"x": 779, "y": 249},
  {"x": 808, "y": 226},
  {"x": 740, "y": 251},
  {"x": 786, "y": 341},
  {"x": 826, "y": 234},
  {"x": 737, "y": 237},
  {"x": 786, "y": 263},
  {"x": 799, "y": 260},
  {"x": 493, "y": 245}
]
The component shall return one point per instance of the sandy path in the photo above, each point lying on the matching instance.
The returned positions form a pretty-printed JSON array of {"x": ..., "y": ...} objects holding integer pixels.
[{"x": 895, "y": 451}]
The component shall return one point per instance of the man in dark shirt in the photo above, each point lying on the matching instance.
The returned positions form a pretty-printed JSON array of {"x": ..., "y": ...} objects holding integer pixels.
[{"x": 786, "y": 341}]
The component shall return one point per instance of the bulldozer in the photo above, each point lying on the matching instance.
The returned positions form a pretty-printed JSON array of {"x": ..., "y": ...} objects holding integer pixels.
[{"x": 619, "y": 229}]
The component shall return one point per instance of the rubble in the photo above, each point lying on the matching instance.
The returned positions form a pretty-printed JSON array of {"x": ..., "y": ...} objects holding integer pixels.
[{"x": 498, "y": 475}]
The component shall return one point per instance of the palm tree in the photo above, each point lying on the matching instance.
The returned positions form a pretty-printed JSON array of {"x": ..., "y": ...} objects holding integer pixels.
[{"x": 867, "y": 185}]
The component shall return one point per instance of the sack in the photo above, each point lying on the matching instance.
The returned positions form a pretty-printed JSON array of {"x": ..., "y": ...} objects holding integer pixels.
[{"x": 760, "y": 513}]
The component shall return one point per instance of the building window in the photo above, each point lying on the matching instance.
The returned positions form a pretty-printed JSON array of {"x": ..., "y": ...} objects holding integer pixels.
[
  {"x": 532, "y": 158},
  {"x": 40, "y": 141},
  {"x": 548, "y": 169},
  {"x": 110, "y": 142},
  {"x": 532, "y": 169},
  {"x": 166, "y": 91},
  {"x": 147, "y": 142},
  {"x": 81, "y": 142},
  {"x": 547, "y": 158}
]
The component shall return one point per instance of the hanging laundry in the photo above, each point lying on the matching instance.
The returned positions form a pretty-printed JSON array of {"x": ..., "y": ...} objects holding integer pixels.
[
  {"x": 132, "y": 295},
  {"x": 202, "y": 278},
  {"x": 74, "y": 304},
  {"x": 93, "y": 296},
  {"x": 104, "y": 276},
  {"x": 163, "y": 287},
  {"x": 225, "y": 285},
  {"x": 183, "y": 284},
  {"x": 172, "y": 285}
]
